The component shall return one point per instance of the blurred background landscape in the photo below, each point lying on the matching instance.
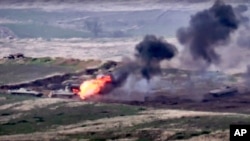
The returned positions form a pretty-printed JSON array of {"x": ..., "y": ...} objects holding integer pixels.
[
  {"x": 83, "y": 18},
  {"x": 59, "y": 19},
  {"x": 51, "y": 24}
]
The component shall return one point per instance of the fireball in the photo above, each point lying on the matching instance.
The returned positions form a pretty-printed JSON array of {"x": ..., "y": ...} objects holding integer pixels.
[{"x": 93, "y": 87}]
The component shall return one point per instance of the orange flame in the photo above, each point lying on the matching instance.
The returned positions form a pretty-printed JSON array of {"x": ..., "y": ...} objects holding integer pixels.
[
  {"x": 92, "y": 87},
  {"x": 75, "y": 91}
]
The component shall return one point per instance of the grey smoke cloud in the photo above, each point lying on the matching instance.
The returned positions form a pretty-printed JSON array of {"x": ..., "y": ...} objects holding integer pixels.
[{"x": 207, "y": 29}]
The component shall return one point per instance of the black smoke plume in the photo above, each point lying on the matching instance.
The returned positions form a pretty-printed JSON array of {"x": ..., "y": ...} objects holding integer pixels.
[
  {"x": 149, "y": 53},
  {"x": 207, "y": 29}
]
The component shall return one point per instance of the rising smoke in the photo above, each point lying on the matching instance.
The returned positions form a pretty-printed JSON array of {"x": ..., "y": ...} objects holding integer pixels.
[
  {"x": 208, "y": 29},
  {"x": 134, "y": 75},
  {"x": 149, "y": 53},
  {"x": 239, "y": 10},
  {"x": 243, "y": 38},
  {"x": 234, "y": 55},
  {"x": 208, "y": 33}
]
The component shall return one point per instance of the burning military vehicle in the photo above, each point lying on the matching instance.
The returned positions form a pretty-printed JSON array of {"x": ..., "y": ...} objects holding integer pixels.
[{"x": 150, "y": 52}]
